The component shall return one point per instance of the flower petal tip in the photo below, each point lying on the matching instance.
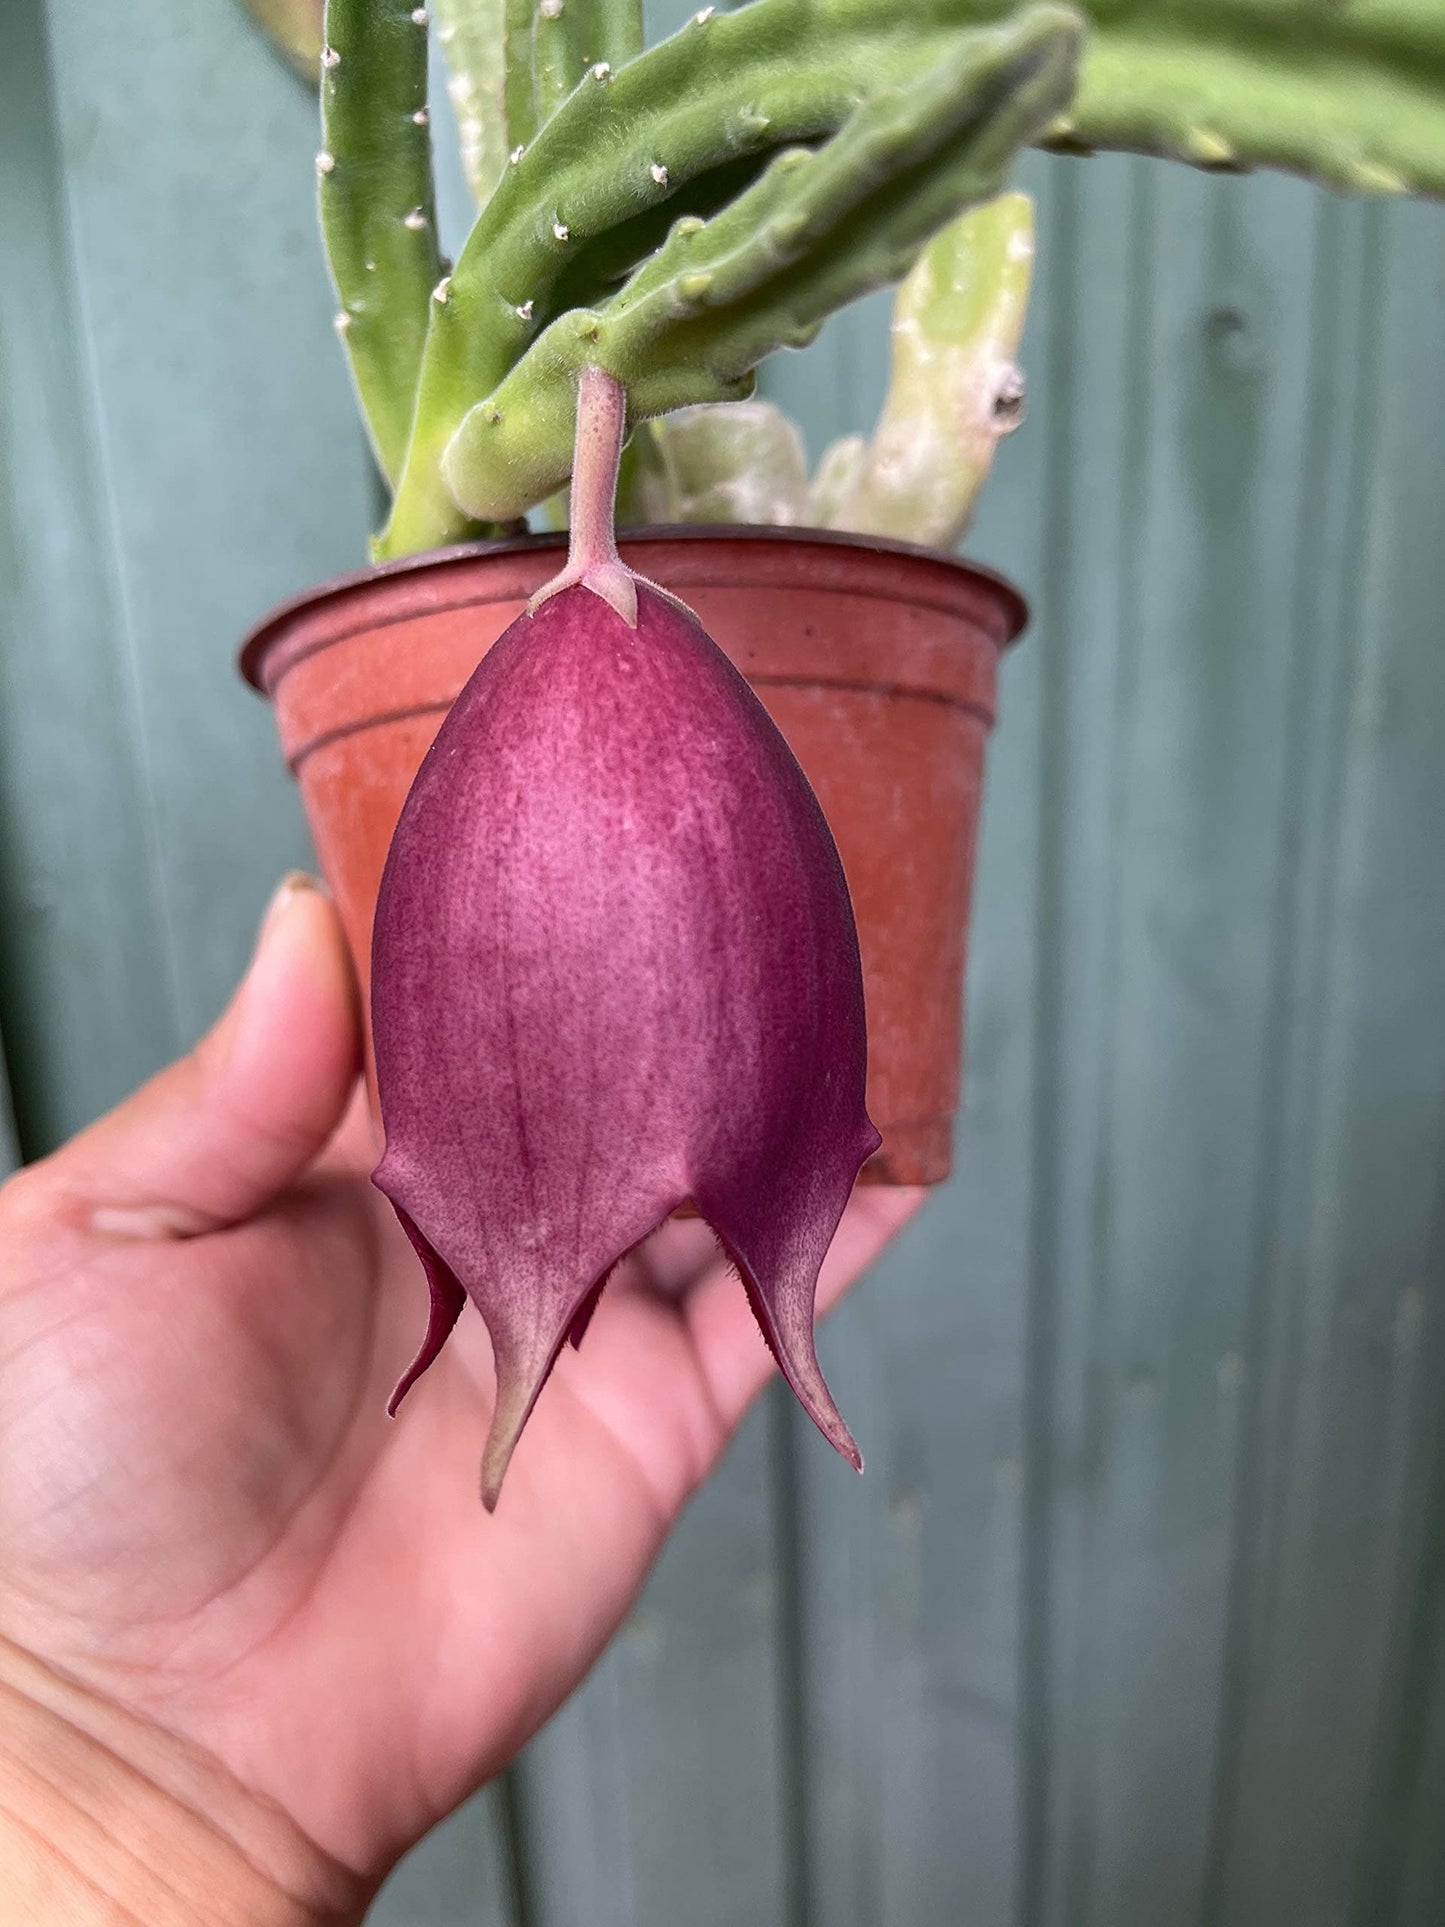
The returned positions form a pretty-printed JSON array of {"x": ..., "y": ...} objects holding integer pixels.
[
  {"x": 447, "y": 1298},
  {"x": 829, "y": 1421},
  {"x": 518, "y": 1386}
]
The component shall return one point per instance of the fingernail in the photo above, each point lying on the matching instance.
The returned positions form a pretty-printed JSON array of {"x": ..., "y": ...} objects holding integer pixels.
[{"x": 287, "y": 890}]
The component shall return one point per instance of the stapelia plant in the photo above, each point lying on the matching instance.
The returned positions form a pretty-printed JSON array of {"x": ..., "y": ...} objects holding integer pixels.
[
  {"x": 680, "y": 214},
  {"x": 674, "y": 215},
  {"x": 614, "y": 969}
]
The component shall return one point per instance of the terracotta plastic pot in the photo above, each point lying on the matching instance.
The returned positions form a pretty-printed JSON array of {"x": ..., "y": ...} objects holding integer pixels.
[{"x": 877, "y": 661}]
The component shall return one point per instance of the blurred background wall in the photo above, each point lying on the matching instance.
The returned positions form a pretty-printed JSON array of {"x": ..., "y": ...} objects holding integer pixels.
[{"x": 1139, "y": 1616}]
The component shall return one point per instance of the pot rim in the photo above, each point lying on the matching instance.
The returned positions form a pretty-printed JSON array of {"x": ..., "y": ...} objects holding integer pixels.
[{"x": 259, "y": 638}]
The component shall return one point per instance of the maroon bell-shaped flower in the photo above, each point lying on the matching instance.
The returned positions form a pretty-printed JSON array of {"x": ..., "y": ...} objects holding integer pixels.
[{"x": 614, "y": 969}]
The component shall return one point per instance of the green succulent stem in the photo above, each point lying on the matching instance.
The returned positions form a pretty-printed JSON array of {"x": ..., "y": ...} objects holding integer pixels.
[
  {"x": 818, "y": 228},
  {"x": 378, "y": 214},
  {"x": 588, "y": 178},
  {"x": 954, "y": 390},
  {"x": 739, "y": 461},
  {"x": 684, "y": 141},
  {"x": 838, "y": 468},
  {"x": 519, "y": 73},
  {"x": 1351, "y": 92},
  {"x": 573, "y": 35},
  {"x": 1352, "y": 95},
  {"x": 513, "y": 62},
  {"x": 472, "y": 34}
]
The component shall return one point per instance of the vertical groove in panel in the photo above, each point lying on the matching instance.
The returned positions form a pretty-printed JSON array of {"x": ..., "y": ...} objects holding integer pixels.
[
  {"x": 576, "y": 1828},
  {"x": 1039, "y": 1729},
  {"x": 9, "y": 1144},
  {"x": 1300, "y": 1448},
  {"x": 230, "y": 459},
  {"x": 1305, "y": 889},
  {"x": 789, "y": 1554},
  {"x": 1171, "y": 712},
  {"x": 817, "y": 388},
  {"x": 1418, "y": 1893},
  {"x": 657, "y": 1790},
  {"x": 911, "y": 1580},
  {"x": 1098, "y": 1096},
  {"x": 512, "y": 1833},
  {"x": 1366, "y": 594},
  {"x": 1103, "y": 386},
  {"x": 1400, "y": 1870},
  {"x": 1322, "y": 1199},
  {"x": 85, "y": 1013},
  {"x": 457, "y": 1876},
  {"x": 1137, "y": 429},
  {"x": 149, "y": 754},
  {"x": 1412, "y": 1855},
  {"x": 1343, "y": 1440},
  {"x": 1400, "y": 1873},
  {"x": 1108, "y": 434}
]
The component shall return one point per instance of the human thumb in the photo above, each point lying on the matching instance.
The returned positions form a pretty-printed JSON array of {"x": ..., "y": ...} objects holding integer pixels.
[{"x": 211, "y": 1139}]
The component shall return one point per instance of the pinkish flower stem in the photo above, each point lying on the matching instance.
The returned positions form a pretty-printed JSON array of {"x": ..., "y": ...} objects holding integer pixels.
[
  {"x": 601, "y": 420},
  {"x": 592, "y": 559}
]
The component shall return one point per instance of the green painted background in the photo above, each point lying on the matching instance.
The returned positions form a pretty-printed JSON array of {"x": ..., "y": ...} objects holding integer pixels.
[{"x": 1139, "y": 1616}]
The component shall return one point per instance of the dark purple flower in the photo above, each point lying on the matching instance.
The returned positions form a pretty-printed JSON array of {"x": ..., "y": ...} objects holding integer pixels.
[{"x": 614, "y": 968}]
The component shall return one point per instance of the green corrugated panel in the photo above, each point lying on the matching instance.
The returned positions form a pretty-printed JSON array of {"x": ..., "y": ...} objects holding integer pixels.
[
  {"x": 1190, "y": 1267},
  {"x": 86, "y": 1005},
  {"x": 910, "y": 1582}
]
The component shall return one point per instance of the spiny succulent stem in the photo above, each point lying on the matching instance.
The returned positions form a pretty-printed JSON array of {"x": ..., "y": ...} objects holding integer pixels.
[
  {"x": 519, "y": 88},
  {"x": 374, "y": 178},
  {"x": 645, "y": 225},
  {"x": 955, "y": 391},
  {"x": 818, "y": 227},
  {"x": 592, "y": 558},
  {"x": 473, "y": 38},
  {"x": 716, "y": 97},
  {"x": 731, "y": 461}
]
